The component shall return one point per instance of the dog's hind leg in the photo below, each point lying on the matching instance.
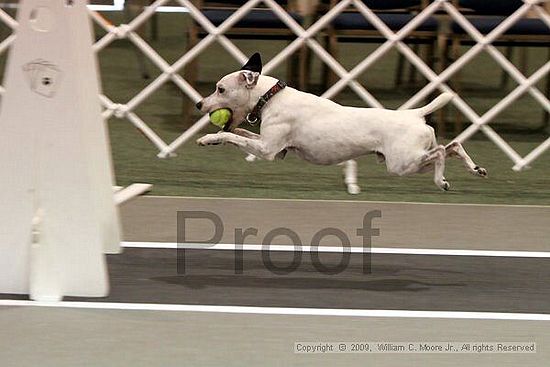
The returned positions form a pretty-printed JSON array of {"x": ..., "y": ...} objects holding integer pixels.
[
  {"x": 436, "y": 157},
  {"x": 455, "y": 149},
  {"x": 350, "y": 177}
]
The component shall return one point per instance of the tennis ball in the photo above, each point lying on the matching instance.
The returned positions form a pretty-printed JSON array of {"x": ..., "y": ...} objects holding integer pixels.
[{"x": 220, "y": 117}]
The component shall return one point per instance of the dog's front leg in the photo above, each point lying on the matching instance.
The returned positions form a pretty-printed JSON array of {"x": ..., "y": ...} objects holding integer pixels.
[
  {"x": 258, "y": 147},
  {"x": 247, "y": 134},
  {"x": 350, "y": 176}
]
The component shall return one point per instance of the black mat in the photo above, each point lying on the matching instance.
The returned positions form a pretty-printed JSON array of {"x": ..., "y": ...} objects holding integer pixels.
[{"x": 407, "y": 282}]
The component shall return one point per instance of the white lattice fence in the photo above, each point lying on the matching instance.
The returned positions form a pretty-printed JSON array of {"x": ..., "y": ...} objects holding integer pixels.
[{"x": 169, "y": 72}]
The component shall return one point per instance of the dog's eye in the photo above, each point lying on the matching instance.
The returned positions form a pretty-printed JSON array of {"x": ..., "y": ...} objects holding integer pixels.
[{"x": 221, "y": 90}]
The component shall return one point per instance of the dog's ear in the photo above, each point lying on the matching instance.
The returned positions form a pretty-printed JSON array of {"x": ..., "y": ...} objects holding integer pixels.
[
  {"x": 249, "y": 78},
  {"x": 254, "y": 63}
]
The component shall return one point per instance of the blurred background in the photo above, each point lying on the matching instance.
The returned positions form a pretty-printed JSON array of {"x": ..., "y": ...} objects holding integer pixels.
[{"x": 349, "y": 38}]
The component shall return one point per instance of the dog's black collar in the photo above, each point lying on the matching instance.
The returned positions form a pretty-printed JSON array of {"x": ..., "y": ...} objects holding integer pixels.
[{"x": 254, "y": 117}]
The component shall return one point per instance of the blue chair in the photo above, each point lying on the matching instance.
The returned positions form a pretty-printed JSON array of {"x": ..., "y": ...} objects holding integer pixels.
[
  {"x": 486, "y": 15},
  {"x": 259, "y": 24},
  {"x": 352, "y": 26}
]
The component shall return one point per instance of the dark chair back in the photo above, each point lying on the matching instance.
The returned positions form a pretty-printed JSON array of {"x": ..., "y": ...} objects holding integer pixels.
[
  {"x": 491, "y": 7},
  {"x": 232, "y": 3},
  {"x": 391, "y": 4},
  {"x": 383, "y": 4}
]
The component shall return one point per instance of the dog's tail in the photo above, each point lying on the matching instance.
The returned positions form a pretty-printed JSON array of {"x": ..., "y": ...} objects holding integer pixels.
[{"x": 434, "y": 105}]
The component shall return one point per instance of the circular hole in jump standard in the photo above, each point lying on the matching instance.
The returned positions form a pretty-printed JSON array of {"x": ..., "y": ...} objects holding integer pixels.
[{"x": 41, "y": 19}]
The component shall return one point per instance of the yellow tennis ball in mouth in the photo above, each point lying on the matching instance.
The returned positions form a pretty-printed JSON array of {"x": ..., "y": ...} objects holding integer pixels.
[{"x": 220, "y": 117}]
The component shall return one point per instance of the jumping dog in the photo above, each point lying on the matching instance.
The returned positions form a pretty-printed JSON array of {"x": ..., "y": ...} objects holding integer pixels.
[{"x": 323, "y": 132}]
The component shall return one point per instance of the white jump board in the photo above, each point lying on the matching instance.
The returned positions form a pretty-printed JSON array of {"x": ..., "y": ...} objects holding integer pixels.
[
  {"x": 122, "y": 195},
  {"x": 55, "y": 159}
]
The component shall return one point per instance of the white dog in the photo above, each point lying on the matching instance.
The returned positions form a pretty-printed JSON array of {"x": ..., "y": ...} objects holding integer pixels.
[{"x": 323, "y": 132}]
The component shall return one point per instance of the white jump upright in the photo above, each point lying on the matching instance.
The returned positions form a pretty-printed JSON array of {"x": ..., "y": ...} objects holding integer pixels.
[{"x": 57, "y": 211}]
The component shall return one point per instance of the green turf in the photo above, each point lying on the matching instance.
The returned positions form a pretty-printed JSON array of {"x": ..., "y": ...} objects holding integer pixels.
[{"x": 222, "y": 171}]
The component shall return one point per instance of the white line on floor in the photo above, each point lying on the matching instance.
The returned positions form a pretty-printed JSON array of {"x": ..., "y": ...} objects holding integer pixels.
[
  {"x": 282, "y": 310},
  {"x": 337, "y": 249},
  {"x": 329, "y": 201}
]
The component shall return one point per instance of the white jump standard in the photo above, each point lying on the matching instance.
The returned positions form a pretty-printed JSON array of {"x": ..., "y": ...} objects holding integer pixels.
[
  {"x": 58, "y": 214},
  {"x": 323, "y": 132}
]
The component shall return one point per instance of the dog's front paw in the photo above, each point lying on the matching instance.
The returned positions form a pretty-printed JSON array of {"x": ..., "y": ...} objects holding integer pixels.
[{"x": 210, "y": 139}]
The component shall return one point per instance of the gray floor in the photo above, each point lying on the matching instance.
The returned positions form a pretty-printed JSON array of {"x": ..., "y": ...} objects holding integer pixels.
[
  {"x": 98, "y": 337},
  {"x": 438, "y": 226},
  {"x": 71, "y": 337}
]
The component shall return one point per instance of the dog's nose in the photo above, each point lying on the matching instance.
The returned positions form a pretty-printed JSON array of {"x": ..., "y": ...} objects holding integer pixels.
[{"x": 199, "y": 105}]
